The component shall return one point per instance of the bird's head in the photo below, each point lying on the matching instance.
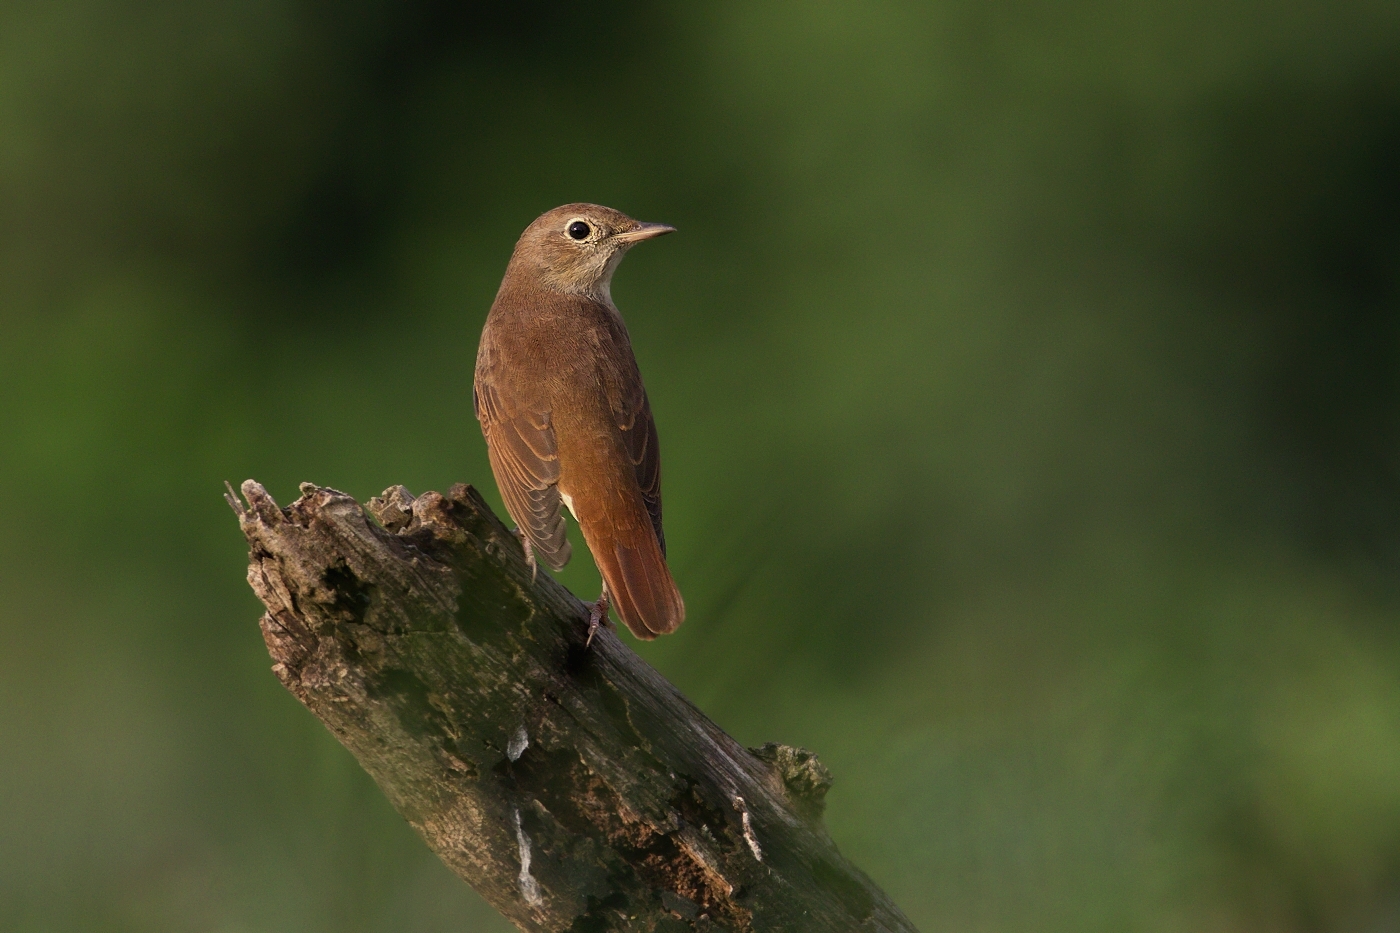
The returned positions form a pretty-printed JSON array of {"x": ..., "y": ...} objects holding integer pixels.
[{"x": 576, "y": 248}]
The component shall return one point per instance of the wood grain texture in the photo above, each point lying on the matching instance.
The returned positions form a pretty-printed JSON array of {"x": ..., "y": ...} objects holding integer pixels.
[{"x": 573, "y": 789}]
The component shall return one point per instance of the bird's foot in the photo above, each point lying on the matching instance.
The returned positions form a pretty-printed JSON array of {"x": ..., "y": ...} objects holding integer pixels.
[
  {"x": 597, "y": 615},
  {"x": 529, "y": 553}
]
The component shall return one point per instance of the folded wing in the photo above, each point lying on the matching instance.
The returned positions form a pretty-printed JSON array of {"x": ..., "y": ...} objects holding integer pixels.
[
  {"x": 525, "y": 460},
  {"x": 631, "y": 552}
]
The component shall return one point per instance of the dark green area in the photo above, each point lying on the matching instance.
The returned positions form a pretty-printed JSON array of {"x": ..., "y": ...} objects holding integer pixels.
[{"x": 1026, "y": 377}]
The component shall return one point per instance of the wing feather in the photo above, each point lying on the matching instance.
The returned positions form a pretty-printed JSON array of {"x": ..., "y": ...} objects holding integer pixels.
[
  {"x": 525, "y": 459},
  {"x": 639, "y": 438}
]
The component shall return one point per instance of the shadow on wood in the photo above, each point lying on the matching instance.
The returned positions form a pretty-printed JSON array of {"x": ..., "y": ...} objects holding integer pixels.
[{"x": 575, "y": 789}]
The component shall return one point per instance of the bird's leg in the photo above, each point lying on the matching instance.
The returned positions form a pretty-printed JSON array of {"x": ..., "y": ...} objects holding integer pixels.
[
  {"x": 597, "y": 615},
  {"x": 529, "y": 552}
]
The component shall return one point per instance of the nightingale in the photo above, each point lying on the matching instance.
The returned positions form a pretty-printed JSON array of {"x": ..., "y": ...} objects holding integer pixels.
[{"x": 566, "y": 417}]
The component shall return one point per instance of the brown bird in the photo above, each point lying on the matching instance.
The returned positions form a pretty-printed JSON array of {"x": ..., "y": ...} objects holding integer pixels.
[{"x": 566, "y": 417}]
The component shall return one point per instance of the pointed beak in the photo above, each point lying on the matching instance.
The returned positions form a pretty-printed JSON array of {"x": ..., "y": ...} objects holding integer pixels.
[{"x": 644, "y": 232}]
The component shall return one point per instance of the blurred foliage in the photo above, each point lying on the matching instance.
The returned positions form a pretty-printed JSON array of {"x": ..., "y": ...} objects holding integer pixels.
[{"x": 1027, "y": 376}]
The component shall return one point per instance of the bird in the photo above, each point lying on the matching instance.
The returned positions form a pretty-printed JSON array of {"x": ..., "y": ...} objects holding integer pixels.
[{"x": 566, "y": 417}]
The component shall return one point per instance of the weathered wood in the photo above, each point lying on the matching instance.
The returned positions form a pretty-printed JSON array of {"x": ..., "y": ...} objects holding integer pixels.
[{"x": 575, "y": 789}]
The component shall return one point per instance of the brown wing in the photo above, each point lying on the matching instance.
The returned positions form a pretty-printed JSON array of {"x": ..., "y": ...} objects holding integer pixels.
[
  {"x": 628, "y": 544},
  {"x": 639, "y": 438},
  {"x": 525, "y": 461}
]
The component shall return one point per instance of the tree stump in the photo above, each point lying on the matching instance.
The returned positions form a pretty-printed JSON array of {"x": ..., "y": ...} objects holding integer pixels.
[{"x": 573, "y": 787}]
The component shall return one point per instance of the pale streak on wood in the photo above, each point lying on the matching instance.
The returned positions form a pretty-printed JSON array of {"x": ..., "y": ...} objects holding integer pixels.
[{"x": 575, "y": 789}]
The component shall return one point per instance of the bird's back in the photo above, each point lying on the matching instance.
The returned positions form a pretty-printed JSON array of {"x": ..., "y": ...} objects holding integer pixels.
[{"x": 567, "y": 422}]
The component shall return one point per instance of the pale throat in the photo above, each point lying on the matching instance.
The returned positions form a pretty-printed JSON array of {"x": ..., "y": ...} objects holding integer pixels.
[{"x": 598, "y": 287}]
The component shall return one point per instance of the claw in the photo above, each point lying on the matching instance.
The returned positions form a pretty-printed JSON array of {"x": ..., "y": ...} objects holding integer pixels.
[{"x": 597, "y": 615}]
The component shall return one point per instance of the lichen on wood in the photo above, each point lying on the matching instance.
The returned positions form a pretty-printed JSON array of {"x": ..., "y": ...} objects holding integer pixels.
[{"x": 574, "y": 788}]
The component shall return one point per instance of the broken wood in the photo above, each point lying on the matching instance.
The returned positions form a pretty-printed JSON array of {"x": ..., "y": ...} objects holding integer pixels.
[{"x": 575, "y": 789}]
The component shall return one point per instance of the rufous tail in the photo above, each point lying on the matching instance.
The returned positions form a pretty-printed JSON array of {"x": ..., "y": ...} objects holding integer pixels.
[{"x": 643, "y": 593}]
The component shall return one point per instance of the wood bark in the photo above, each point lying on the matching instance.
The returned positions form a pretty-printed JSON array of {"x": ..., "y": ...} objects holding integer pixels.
[{"x": 573, "y": 787}]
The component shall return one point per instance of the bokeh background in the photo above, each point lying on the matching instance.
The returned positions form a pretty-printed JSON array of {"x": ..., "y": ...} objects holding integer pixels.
[{"x": 1027, "y": 380}]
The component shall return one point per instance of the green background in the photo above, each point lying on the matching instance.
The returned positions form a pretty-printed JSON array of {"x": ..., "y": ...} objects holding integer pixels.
[{"x": 1027, "y": 381}]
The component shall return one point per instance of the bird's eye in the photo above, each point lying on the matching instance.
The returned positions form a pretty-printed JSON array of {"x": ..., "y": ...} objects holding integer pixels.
[{"x": 579, "y": 230}]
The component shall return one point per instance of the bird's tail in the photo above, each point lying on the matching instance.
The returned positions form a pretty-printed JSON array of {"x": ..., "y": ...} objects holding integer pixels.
[{"x": 640, "y": 585}]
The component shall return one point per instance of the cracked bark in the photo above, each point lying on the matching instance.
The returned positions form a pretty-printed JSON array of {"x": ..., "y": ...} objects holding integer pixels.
[{"x": 573, "y": 789}]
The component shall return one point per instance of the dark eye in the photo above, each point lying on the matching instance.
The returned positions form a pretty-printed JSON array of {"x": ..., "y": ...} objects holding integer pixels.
[{"x": 579, "y": 230}]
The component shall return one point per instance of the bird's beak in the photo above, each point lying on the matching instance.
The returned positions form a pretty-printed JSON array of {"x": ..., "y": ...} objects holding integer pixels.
[{"x": 644, "y": 232}]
